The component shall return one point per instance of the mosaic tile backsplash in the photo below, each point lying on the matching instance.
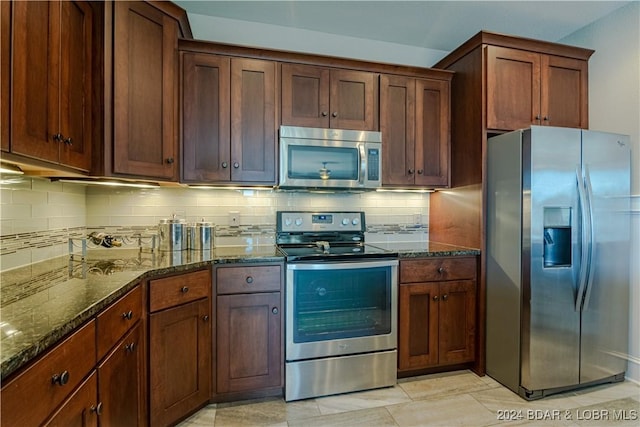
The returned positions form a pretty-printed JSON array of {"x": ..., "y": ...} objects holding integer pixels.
[{"x": 37, "y": 216}]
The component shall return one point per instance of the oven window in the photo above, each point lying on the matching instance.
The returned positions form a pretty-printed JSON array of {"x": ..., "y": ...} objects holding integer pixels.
[
  {"x": 310, "y": 162},
  {"x": 332, "y": 304}
]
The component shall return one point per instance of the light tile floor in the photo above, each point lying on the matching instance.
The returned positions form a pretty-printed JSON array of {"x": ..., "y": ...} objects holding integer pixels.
[{"x": 450, "y": 399}]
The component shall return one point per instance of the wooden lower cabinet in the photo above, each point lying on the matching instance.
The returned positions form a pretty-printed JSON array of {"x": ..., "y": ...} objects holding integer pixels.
[
  {"x": 121, "y": 382},
  {"x": 437, "y": 313},
  {"x": 179, "y": 359},
  {"x": 249, "y": 327},
  {"x": 81, "y": 409}
]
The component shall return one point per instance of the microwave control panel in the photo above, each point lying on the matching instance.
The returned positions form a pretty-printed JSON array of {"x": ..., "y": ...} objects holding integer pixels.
[{"x": 373, "y": 162}]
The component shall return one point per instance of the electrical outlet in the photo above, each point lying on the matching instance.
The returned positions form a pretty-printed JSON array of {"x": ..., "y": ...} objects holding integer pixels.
[
  {"x": 234, "y": 218},
  {"x": 417, "y": 218}
]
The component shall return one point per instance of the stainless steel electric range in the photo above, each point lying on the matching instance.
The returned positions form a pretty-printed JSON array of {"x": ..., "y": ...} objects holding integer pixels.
[{"x": 341, "y": 305}]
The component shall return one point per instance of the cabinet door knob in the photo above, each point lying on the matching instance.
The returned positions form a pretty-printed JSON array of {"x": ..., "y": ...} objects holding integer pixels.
[
  {"x": 420, "y": 171},
  {"x": 205, "y": 318},
  {"x": 129, "y": 348},
  {"x": 545, "y": 118},
  {"x": 128, "y": 315},
  {"x": 411, "y": 171},
  {"x": 97, "y": 408},
  {"x": 60, "y": 379},
  {"x": 445, "y": 297},
  {"x": 435, "y": 298},
  {"x": 68, "y": 141},
  {"x": 170, "y": 160},
  {"x": 334, "y": 114},
  {"x": 324, "y": 114},
  {"x": 538, "y": 117},
  {"x": 58, "y": 137},
  {"x": 274, "y": 310},
  {"x": 225, "y": 165},
  {"x": 249, "y": 279},
  {"x": 236, "y": 165},
  {"x": 184, "y": 289}
]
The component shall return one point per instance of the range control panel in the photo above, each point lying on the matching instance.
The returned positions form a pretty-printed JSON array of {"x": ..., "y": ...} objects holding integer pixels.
[{"x": 298, "y": 221}]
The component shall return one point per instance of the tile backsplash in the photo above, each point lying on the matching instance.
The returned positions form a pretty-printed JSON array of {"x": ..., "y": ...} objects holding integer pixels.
[{"x": 37, "y": 216}]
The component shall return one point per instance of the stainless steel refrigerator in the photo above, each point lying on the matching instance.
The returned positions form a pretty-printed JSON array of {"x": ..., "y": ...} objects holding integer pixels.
[{"x": 557, "y": 272}]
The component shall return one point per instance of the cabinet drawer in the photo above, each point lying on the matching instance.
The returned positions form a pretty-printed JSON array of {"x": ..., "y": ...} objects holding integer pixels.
[
  {"x": 239, "y": 280},
  {"x": 115, "y": 321},
  {"x": 180, "y": 289},
  {"x": 47, "y": 382},
  {"x": 437, "y": 269}
]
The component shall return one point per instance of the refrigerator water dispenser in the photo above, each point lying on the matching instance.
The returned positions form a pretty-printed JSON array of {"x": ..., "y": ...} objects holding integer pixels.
[{"x": 557, "y": 237}]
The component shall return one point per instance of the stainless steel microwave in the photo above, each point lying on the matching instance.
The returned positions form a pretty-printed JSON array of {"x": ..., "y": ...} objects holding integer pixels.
[{"x": 317, "y": 158}]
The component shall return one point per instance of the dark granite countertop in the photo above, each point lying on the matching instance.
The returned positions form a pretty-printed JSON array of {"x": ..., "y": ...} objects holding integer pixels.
[
  {"x": 43, "y": 302},
  {"x": 426, "y": 249}
]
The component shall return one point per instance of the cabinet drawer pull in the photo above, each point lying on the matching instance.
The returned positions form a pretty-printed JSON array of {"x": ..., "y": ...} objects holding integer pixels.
[
  {"x": 184, "y": 289},
  {"x": 441, "y": 270},
  {"x": 275, "y": 310},
  {"x": 435, "y": 298},
  {"x": 60, "y": 379},
  {"x": 249, "y": 279},
  {"x": 130, "y": 348},
  {"x": 128, "y": 315},
  {"x": 97, "y": 409},
  {"x": 445, "y": 297}
]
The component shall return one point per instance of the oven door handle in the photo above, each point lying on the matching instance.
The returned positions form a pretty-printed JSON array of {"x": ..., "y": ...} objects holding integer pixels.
[{"x": 341, "y": 265}]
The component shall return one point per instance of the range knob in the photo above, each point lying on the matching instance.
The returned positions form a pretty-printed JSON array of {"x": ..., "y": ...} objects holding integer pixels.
[
  {"x": 288, "y": 221},
  {"x": 345, "y": 221},
  {"x": 298, "y": 222},
  {"x": 355, "y": 221}
]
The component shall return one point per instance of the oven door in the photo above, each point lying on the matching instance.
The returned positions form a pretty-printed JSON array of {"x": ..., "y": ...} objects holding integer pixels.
[{"x": 341, "y": 308}]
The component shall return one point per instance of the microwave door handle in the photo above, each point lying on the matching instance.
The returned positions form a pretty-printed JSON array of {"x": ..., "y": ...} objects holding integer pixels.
[{"x": 363, "y": 164}]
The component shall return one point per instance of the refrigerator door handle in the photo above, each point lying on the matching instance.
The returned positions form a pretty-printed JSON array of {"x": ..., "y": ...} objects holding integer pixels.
[
  {"x": 584, "y": 231},
  {"x": 591, "y": 243}
]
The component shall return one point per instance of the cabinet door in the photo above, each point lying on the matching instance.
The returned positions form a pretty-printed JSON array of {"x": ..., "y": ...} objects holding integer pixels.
[
  {"x": 5, "y": 72},
  {"x": 305, "y": 96},
  {"x": 457, "y": 321},
  {"x": 253, "y": 121},
  {"x": 76, "y": 84},
  {"x": 81, "y": 409},
  {"x": 564, "y": 92},
  {"x": 121, "y": 379},
  {"x": 249, "y": 342},
  {"x": 35, "y": 77},
  {"x": 432, "y": 133},
  {"x": 353, "y": 100},
  {"x": 206, "y": 136},
  {"x": 145, "y": 109},
  {"x": 513, "y": 88},
  {"x": 397, "y": 124},
  {"x": 418, "y": 326},
  {"x": 180, "y": 361}
]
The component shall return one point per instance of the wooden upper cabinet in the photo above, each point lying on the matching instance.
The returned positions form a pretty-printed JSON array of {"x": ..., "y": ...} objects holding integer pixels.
[
  {"x": 145, "y": 87},
  {"x": 51, "y": 108},
  {"x": 5, "y": 72},
  {"x": 525, "y": 88},
  {"x": 329, "y": 98},
  {"x": 228, "y": 119},
  {"x": 253, "y": 121},
  {"x": 206, "y": 126},
  {"x": 414, "y": 120},
  {"x": 564, "y": 91}
]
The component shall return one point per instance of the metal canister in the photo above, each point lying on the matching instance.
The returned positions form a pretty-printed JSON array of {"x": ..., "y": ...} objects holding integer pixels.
[
  {"x": 201, "y": 236},
  {"x": 173, "y": 236}
]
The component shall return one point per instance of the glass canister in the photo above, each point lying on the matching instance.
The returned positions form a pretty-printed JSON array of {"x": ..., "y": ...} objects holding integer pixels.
[{"x": 173, "y": 236}]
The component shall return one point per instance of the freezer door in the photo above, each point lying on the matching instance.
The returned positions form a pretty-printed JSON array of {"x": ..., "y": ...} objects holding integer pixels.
[
  {"x": 605, "y": 308},
  {"x": 551, "y": 248}
]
